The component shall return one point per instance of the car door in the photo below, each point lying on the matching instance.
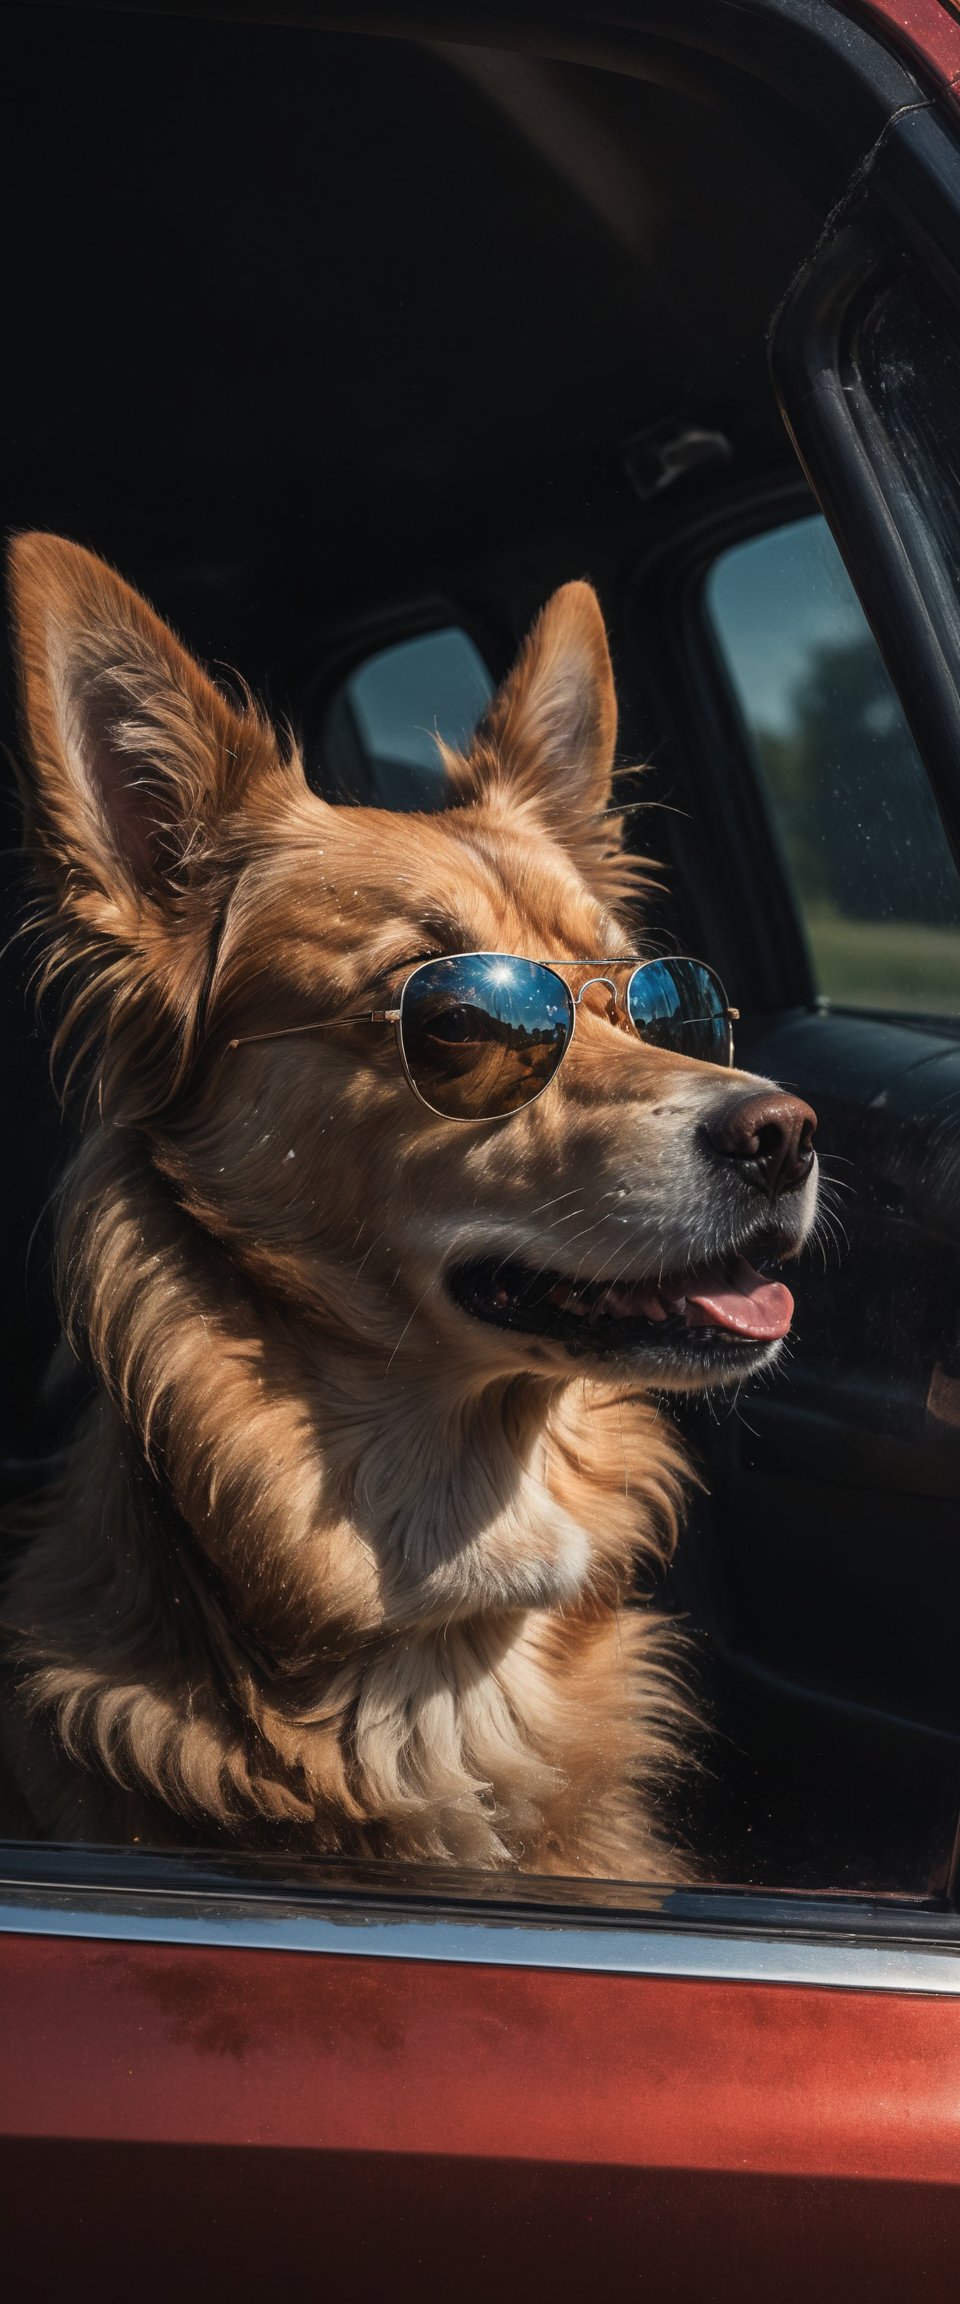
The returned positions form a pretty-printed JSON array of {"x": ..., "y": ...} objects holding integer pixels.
[
  {"x": 213, "y": 2085},
  {"x": 220, "y": 2075}
]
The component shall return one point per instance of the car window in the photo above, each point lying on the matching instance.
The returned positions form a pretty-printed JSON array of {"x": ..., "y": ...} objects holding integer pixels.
[
  {"x": 379, "y": 742},
  {"x": 862, "y": 839},
  {"x": 342, "y": 1527}
]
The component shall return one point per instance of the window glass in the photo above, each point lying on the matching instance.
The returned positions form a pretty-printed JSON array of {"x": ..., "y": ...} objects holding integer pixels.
[
  {"x": 873, "y": 874},
  {"x": 380, "y": 737}
]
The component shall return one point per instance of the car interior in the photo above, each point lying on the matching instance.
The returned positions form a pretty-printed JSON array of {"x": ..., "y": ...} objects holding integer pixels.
[{"x": 347, "y": 350}]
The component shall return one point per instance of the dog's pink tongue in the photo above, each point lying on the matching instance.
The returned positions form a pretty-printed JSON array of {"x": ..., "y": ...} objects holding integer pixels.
[{"x": 741, "y": 1300}]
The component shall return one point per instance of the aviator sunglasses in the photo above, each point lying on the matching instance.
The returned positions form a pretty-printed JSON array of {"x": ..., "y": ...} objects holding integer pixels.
[{"x": 482, "y": 1034}]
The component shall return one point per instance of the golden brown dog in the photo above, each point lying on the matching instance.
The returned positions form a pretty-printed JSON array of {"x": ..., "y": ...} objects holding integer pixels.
[{"x": 346, "y": 1555}]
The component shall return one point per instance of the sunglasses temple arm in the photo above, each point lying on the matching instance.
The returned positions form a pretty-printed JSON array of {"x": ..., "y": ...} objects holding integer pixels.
[{"x": 324, "y": 1024}]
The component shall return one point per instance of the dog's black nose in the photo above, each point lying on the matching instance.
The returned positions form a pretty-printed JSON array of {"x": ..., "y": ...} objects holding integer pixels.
[{"x": 770, "y": 1137}]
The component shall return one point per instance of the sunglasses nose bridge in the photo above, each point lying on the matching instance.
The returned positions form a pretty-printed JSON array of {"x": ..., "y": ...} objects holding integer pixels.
[{"x": 606, "y": 980}]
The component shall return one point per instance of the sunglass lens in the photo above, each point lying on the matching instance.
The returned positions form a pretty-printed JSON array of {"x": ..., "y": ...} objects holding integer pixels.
[
  {"x": 482, "y": 1033},
  {"x": 680, "y": 1004}
]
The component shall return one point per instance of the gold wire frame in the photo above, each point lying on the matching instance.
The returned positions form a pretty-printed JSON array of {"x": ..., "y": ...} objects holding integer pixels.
[{"x": 394, "y": 1016}]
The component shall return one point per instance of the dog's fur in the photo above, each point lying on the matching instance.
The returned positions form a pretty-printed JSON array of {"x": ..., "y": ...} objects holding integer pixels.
[{"x": 335, "y": 1565}]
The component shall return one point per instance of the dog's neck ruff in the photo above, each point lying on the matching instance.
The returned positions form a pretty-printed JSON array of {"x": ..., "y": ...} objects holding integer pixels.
[{"x": 396, "y": 1637}]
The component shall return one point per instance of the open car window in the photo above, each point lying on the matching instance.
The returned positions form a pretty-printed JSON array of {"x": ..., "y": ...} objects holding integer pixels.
[
  {"x": 861, "y": 839},
  {"x": 260, "y": 1054}
]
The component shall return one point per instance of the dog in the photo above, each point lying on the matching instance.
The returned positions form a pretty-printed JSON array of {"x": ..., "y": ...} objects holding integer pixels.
[{"x": 347, "y": 1553}]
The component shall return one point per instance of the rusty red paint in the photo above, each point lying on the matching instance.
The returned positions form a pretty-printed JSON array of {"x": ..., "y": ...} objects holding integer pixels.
[
  {"x": 189, "y": 2122},
  {"x": 187, "y": 2046}
]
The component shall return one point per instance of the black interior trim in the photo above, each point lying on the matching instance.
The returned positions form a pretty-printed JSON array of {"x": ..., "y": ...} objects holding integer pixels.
[{"x": 856, "y": 480}]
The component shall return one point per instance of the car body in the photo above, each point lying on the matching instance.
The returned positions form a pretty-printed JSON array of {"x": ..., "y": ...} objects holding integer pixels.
[{"x": 339, "y": 333}]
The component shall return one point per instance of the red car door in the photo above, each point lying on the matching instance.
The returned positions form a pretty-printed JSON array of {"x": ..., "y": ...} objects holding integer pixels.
[
  {"x": 212, "y": 2092},
  {"x": 224, "y": 2078}
]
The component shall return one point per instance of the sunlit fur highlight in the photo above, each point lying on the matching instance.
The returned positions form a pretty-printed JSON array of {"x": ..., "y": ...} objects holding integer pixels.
[{"x": 326, "y": 1570}]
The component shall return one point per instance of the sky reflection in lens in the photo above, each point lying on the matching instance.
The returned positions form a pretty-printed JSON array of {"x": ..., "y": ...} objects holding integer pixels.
[
  {"x": 679, "y": 1004},
  {"x": 483, "y": 1033}
]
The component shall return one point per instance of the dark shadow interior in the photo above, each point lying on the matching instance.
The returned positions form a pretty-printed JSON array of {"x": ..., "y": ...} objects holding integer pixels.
[
  {"x": 322, "y": 339},
  {"x": 312, "y": 335}
]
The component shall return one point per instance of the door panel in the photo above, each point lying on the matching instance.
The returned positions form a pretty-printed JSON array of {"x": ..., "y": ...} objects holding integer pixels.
[{"x": 222, "y": 2119}]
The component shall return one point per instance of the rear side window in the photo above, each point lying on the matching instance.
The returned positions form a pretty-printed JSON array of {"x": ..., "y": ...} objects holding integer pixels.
[
  {"x": 864, "y": 846},
  {"x": 380, "y": 735}
]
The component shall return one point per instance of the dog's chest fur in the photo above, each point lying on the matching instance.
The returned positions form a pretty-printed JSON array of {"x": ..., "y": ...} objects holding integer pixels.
[{"x": 402, "y": 1619}]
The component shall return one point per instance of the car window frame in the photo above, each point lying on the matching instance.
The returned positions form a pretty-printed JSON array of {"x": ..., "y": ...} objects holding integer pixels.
[
  {"x": 50, "y": 1890},
  {"x": 385, "y": 1910},
  {"x": 902, "y": 217}
]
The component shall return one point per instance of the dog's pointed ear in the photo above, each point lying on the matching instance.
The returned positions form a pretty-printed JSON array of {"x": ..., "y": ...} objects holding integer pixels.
[
  {"x": 135, "y": 753},
  {"x": 549, "y": 736}
]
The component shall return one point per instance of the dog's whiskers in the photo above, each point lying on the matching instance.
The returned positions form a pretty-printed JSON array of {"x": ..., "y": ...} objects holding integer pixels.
[
  {"x": 408, "y": 1323},
  {"x": 375, "y": 1242}
]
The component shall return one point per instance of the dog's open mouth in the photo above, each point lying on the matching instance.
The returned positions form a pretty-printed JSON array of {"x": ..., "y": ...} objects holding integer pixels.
[{"x": 727, "y": 1305}]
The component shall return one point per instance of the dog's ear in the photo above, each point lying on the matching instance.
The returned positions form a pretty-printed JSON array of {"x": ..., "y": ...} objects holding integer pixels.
[
  {"x": 135, "y": 753},
  {"x": 137, "y": 761},
  {"x": 550, "y": 733}
]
